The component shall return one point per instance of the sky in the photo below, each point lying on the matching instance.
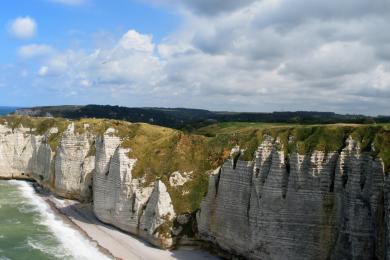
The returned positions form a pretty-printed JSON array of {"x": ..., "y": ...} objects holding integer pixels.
[{"x": 247, "y": 55}]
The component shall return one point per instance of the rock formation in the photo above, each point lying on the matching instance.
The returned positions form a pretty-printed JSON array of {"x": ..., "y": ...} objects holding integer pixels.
[
  {"x": 291, "y": 206},
  {"x": 280, "y": 205},
  {"x": 72, "y": 171}
]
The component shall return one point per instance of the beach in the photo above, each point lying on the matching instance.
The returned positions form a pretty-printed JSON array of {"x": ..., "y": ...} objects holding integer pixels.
[
  {"x": 31, "y": 229},
  {"x": 111, "y": 241}
]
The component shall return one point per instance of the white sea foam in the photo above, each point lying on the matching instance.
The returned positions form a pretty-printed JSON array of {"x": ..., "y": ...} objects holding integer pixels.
[
  {"x": 41, "y": 246},
  {"x": 26, "y": 209},
  {"x": 72, "y": 240},
  {"x": 13, "y": 221}
]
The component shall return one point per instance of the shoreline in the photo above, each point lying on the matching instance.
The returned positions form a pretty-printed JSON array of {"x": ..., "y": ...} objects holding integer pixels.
[
  {"x": 70, "y": 222},
  {"x": 43, "y": 232},
  {"x": 109, "y": 240}
]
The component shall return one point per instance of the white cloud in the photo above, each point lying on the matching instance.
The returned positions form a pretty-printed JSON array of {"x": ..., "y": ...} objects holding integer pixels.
[
  {"x": 249, "y": 56},
  {"x": 43, "y": 71},
  {"x": 23, "y": 28},
  {"x": 129, "y": 64},
  {"x": 35, "y": 50},
  {"x": 85, "y": 83},
  {"x": 332, "y": 60},
  {"x": 135, "y": 41},
  {"x": 381, "y": 78}
]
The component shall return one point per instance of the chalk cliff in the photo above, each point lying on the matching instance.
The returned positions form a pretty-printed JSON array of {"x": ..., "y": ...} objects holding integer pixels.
[
  {"x": 327, "y": 202},
  {"x": 123, "y": 201},
  {"x": 290, "y": 206},
  {"x": 73, "y": 171}
]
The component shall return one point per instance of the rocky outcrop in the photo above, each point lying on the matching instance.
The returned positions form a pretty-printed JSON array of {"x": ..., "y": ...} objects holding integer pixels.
[
  {"x": 19, "y": 152},
  {"x": 74, "y": 166},
  {"x": 290, "y": 206},
  {"x": 156, "y": 221},
  {"x": 179, "y": 179},
  {"x": 123, "y": 201}
]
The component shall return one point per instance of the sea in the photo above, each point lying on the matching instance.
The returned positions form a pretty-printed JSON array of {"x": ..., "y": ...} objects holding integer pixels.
[
  {"x": 7, "y": 110},
  {"x": 30, "y": 230}
]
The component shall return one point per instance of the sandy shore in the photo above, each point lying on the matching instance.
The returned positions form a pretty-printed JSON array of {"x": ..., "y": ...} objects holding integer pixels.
[{"x": 113, "y": 242}]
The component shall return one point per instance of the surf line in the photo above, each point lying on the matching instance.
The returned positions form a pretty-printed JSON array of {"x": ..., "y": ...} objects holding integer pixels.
[{"x": 70, "y": 238}]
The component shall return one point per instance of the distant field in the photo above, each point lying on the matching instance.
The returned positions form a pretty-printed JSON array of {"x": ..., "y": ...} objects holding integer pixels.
[
  {"x": 192, "y": 119},
  {"x": 231, "y": 127}
]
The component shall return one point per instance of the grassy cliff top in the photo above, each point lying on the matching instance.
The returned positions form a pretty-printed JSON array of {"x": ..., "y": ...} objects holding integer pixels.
[
  {"x": 161, "y": 151},
  {"x": 303, "y": 139}
]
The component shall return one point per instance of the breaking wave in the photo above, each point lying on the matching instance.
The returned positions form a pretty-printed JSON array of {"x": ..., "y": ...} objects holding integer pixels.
[{"x": 74, "y": 244}]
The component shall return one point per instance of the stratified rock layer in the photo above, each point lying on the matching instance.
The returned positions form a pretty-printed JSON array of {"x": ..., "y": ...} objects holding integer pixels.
[
  {"x": 74, "y": 166},
  {"x": 315, "y": 206},
  {"x": 123, "y": 201}
]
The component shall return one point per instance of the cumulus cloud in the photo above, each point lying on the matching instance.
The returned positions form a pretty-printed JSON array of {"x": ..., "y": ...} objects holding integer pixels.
[
  {"x": 23, "y": 28},
  {"x": 129, "y": 64},
  {"x": 284, "y": 54},
  {"x": 332, "y": 60},
  {"x": 35, "y": 50},
  {"x": 262, "y": 55},
  {"x": 134, "y": 41}
]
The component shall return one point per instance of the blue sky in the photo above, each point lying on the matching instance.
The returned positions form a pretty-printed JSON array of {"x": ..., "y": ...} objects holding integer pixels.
[
  {"x": 64, "y": 25},
  {"x": 247, "y": 55}
]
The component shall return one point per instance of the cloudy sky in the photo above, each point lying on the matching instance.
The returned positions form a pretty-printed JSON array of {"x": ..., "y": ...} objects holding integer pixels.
[{"x": 247, "y": 55}]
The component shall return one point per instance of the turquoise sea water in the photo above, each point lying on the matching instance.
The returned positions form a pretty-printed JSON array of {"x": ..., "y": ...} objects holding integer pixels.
[{"x": 30, "y": 230}]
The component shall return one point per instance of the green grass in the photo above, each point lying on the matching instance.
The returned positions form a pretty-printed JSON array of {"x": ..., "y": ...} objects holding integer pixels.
[{"x": 303, "y": 139}]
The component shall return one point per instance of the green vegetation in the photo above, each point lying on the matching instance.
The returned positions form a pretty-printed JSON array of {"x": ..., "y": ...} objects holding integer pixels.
[
  {"x": 161, "y": 151},
  {"x": 38, "y": 126},
  {"x": 303, "y": 139},
  {"x": 190, "y": 119},
  {"x": 164, "y": 230}
]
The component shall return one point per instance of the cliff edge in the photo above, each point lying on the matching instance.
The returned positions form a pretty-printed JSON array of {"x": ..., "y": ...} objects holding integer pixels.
[{"x": 258, "y": 192}]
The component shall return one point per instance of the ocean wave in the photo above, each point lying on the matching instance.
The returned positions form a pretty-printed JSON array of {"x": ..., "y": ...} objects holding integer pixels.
[
  {"x": 10, "y": 201},
  {"x": 47, "y": 249},
  {"x": 4, "y": 258},
  {"x": 13, "y": 221},
  {"x": 25, "y": 209},
  {"x": 72, "y": 240}
]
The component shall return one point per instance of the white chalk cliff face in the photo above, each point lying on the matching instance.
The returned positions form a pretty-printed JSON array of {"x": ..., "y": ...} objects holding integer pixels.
[
  {"x": 73, "y": 165},
  {"x": 122, "y": 201},
  {"x": 72, "y": 171},
  {"x": 315, "y": 206}
]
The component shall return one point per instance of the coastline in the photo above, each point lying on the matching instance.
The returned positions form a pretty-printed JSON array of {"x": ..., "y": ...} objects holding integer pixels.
[{"x": 109, "y": 240}]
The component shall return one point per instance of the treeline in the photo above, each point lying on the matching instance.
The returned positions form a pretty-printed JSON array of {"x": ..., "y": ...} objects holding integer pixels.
[{"x": 183, "y": 118}]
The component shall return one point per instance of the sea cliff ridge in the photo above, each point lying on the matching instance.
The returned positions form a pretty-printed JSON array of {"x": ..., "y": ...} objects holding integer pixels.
[{"x": 256, "y": 191}]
